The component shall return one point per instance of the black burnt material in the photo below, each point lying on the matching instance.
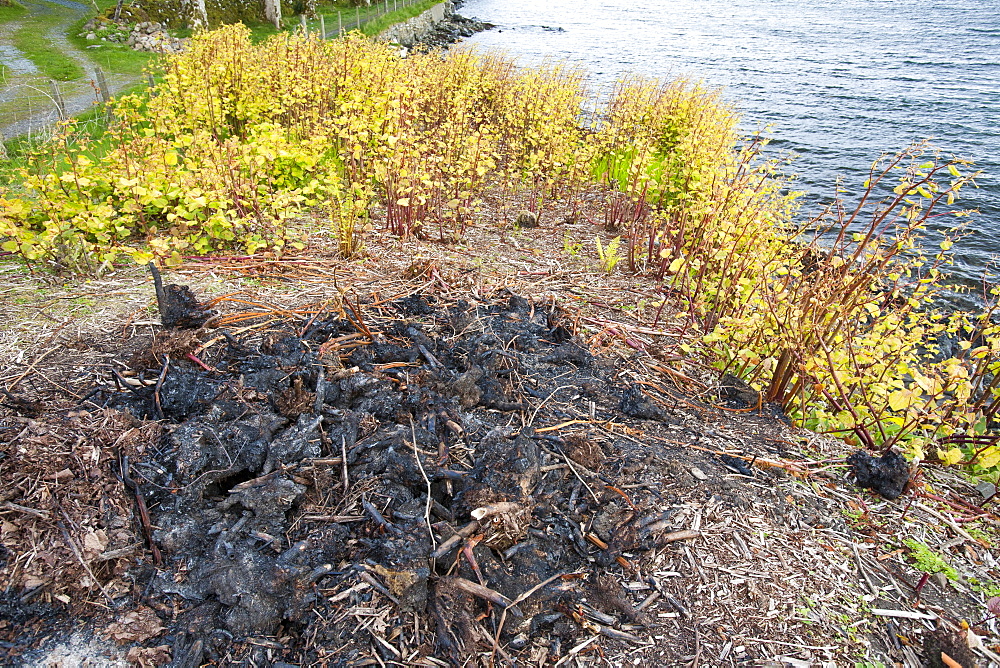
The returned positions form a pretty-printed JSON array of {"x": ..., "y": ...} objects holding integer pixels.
[
  {"x": 258, "y": 526},
  {"x": 887, "y": 474},
  {"x": 177, "y": 304}
]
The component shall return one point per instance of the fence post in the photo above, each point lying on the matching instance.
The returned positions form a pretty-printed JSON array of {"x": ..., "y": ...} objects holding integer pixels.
[
  {"x": 58, "y": 99},
  {"x": 322, "y": 27},
  {"x": 340, "y": 24},
  {"x": 357, "y": 17},
  {"x": 3, "y": 147},
  {"x": 102, "y": 85},
  {"x": 302, "y": 24}
]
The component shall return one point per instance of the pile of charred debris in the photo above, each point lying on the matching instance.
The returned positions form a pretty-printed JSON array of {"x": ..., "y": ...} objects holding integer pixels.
[{"x": 422, "y": 483}]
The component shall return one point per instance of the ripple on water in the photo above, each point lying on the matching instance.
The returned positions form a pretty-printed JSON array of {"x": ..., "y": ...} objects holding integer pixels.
[{"x": 841, "y": 82}]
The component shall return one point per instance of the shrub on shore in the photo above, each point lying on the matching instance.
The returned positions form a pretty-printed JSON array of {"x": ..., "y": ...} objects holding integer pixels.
[
  {"x": 238, "y": 137},
  {"x": 831, "y": 318}
]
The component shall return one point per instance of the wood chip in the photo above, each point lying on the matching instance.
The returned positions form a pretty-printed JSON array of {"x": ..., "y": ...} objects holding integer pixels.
[{"x": 902, "y": 614}]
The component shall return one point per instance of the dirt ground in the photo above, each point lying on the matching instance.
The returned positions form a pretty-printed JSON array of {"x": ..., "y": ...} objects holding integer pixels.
[{"x": 491, "y": 453}]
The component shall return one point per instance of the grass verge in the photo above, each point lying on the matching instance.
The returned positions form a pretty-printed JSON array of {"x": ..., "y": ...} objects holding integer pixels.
[
  {"x": 373, "y": 18},
  {"x": 381, "y": 23},
  {"x": 8, "y": 13},
  {"x": 11, "y": 12},
  {"x": 31, "y": 38},
  {"x": 114, "y": 58}
]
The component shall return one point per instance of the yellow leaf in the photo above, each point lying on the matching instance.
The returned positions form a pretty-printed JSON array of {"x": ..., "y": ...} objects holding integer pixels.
[
  {"x": 900, "y": 400},
  {"x": 989, "y": 458},
  {"x": 170, "y": 158},
  {"x": 950, "y": 457}
]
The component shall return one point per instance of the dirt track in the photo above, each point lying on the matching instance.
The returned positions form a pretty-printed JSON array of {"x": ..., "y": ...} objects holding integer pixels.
[{"x": 26, "y": 99}]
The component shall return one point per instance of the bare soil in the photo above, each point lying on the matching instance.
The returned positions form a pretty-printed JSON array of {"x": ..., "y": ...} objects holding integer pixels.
[{"x": 486, "y": 454}]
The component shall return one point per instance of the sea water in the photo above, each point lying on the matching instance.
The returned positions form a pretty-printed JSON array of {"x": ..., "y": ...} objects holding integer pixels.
[{"x": 839, "y": 81}]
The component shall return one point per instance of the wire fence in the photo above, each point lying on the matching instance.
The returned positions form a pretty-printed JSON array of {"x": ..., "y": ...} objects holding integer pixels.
[
  {"x": 348, "y": 20},
  {"x": 48, "y": 101}
]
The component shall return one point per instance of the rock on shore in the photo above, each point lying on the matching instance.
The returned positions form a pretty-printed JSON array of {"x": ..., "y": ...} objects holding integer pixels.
[{"x": 438, "y": 27}]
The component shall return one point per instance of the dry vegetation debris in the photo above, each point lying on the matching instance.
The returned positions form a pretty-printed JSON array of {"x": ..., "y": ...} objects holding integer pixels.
[{"x": 580, "y": 511}]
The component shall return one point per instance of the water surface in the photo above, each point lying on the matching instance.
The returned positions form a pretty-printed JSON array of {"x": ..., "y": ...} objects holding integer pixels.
[{"x": 840, "y": 82}]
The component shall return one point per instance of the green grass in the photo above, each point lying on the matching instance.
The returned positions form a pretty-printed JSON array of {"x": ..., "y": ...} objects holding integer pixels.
[
  {"x": 11, "y": 12},
  {"x": 8, "y": 13},
  {"x": 31, "y": 40},
  {"x": 113, "y": 58},
  {"x": 383, "y": 22},
  {"x": 372, "y": 23}
]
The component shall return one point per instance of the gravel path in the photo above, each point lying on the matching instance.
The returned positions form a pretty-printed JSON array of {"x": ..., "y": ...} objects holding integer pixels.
[{"x": 27, "y": 104}]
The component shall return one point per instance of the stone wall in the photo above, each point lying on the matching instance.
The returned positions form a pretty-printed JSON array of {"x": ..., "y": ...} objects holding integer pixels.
[
  {"x": 180, "y": 14},
  {"x": 413, "y": 30}
]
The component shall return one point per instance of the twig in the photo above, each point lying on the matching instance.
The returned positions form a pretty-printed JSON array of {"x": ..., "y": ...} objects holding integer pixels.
[
  {"x": 377, "y": 516},
  {"x": 31, "y": 367},
  {"x": 420, "y": 465},
  {"x": 579, "y": 477},
  {"x": 159, "y": 385},
  {"x": 462, "y": 533},
  {"x": 675, "y": 536},
  {"x": 79, "y": 556},
  {"x": 576, "y": 650},
  {"x": 343, "y": 461},
  {"x": 519, "y": 599},
  {"x": 379, "y": 586},
  {"x": 486, "y": 593},
  {"x": 864, "y": 573},
  {"x": 539, "y": 407},
  {"x": 43, "y": 514},
  {"x": 959, "y": 530},
  {"x": 161, "y": 295},
  {"x": 193, "y": 358},
  {"x": 147, "y": 528},
  {"x": 360, "y": 324}
]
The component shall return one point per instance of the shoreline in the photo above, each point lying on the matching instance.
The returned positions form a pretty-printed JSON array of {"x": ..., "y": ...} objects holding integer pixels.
[{"x": 437, "y": 28}]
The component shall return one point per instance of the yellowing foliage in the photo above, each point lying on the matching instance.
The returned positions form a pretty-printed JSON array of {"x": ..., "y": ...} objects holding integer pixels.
[
  {"x": 831, "y": 318},
  {"x": 238, "y": 138}
]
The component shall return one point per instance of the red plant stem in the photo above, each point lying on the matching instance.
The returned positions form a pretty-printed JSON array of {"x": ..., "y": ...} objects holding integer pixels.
[
  {"x": 197, "y": 361},
  {"x": 920, "y": 585}
]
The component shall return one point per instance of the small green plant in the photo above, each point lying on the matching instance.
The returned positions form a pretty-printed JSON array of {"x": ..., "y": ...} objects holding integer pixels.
[
  {"x": 608, "y": 255},
  {"x": 928, "y": 561},
  {"x": 988, "y": 589},
  {"x": 980, "y": 535},
  {"x": 350, "y": 221},
  {"x": 571, "y": 247}
]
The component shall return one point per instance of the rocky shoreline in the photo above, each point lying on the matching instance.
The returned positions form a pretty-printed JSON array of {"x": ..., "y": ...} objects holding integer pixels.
[
  {"x": 453, "y": 29},
  {"x": 437, "y": 28}
]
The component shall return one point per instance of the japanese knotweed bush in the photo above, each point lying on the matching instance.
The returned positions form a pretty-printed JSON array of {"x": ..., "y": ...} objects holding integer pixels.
[
  {"x": 663, "y": 145},
  {"x": 151, "y": 196},
  {"x": 835, "y": 320},
  {"x": 239, "y": 137},
  {"x": 208, "y": 160}
]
